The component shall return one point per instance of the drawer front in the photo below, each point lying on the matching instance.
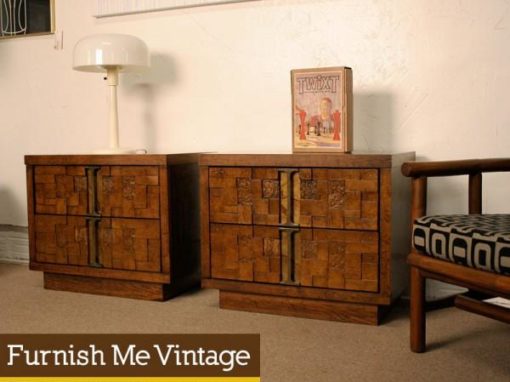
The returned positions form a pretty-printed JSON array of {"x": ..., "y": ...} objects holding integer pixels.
[
  {"x": 320, "y": 198},
  {"x": 129, "y": 191},
  {"x": 244, "y": 195},
  {"x": 127, "y": 244},
  {"x": 116, "y": 191},
  {"x": 245, "y": 253},
  {"x": 338, "y": 198},
  {"x": 61, "y": 190},
  {"x": 321, "y": 258},
  {"x": 338, "y": 259}
]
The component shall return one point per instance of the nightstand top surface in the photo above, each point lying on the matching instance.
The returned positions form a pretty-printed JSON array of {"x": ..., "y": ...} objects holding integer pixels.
[
  {"x": 136, "y": 159},
  {"x": 355, "y": 160}
]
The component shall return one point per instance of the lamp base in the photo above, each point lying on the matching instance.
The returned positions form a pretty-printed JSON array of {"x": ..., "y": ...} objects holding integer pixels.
[{"x": 119, "y": 151}]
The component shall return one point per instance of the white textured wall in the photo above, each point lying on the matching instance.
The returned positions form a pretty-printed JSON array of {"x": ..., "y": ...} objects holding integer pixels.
[{"x": 429, "y": 75}]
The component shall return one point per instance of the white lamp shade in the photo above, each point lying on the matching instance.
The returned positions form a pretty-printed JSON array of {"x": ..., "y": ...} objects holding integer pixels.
[{"x": 96, "y": 53}]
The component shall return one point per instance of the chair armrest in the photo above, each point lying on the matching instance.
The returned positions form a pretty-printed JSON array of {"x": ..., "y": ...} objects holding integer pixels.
[
  {"x": 420, "y": 171},
  {"x": 455, "y": 167}
]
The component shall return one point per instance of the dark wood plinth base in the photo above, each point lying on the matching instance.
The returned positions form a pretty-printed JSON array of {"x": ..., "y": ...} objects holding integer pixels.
[
  {"x": 298, "y": 307},
  {"x": 108, "y": 287}
]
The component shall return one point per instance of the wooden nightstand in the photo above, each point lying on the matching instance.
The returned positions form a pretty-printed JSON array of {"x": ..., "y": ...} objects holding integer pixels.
[
  {"x": 312, "y": 235},
  {"x": 120, "y": 225}
]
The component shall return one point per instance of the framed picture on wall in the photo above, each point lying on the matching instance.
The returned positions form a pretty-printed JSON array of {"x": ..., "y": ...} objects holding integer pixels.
[{"x": 322, "y": 110}]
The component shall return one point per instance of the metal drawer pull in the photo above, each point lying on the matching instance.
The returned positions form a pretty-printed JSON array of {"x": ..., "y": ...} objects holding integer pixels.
[
  {"x": 289, "y": 275},
  {"x": 289, "y": 218},
  {"x": 91, "y": 172},
  {"x": 288, "y": 227},
  {"x": 94, "y": 253}
]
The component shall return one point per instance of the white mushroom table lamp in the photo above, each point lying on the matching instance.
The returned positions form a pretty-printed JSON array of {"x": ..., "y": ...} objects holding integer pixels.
[{"x": 111, "y": 53}]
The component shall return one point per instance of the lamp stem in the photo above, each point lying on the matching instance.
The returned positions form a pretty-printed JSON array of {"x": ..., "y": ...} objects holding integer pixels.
[{"x": 112, "y": 75}]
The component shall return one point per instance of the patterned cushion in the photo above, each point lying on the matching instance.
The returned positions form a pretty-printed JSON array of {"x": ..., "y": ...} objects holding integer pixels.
[{"x": 477, "y": 241}]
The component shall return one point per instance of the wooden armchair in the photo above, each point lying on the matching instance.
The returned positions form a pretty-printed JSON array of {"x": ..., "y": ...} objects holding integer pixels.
[{"x": 472, "y": 251}]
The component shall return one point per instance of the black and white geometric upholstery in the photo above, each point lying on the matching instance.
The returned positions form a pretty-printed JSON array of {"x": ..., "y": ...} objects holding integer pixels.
[{"x": 477, "y": 241}]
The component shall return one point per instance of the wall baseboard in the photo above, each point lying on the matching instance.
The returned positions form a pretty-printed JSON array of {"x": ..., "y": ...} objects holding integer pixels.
[{"x": 13, "y": 244}]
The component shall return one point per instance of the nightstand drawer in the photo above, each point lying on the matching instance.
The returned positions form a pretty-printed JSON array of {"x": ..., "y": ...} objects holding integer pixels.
[
  {"x": 116, "y": 191},
  {"x": 322, "y": 258},
  {"x": 338, "y": 198},
  {"x": 113, "y": 243},
  {"x": 321, "y": 198}
]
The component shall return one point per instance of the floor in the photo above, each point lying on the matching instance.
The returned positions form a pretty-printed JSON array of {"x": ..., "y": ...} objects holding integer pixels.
[{"x": 462, "y": 346}]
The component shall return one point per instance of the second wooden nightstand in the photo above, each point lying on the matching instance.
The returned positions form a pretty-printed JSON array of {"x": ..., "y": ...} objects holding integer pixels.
[{"x": 312, "y": 235}]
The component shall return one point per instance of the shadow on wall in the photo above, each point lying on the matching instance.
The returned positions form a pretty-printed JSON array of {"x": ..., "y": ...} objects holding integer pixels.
[
  {"x": 373, "y": 122},
  {"x": 4, "y": 59},
  {"x": 375, "y": 131},
  {"x": 10, "y": 210},
  {"x": 161, "y": 74}
]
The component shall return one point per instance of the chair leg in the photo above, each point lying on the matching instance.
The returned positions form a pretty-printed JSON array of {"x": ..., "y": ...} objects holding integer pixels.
[{"x": 417, "y": 311}]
